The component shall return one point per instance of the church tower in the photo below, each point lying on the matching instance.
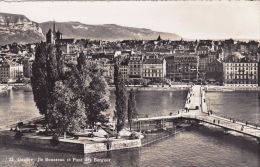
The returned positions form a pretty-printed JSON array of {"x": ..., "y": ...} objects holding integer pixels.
[{"x": 51, "y": 35}]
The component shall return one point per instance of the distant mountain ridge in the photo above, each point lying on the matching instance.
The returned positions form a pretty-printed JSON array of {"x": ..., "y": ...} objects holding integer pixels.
[
  {"x": 110, "y": 32},
  {"x": 20, "y": 29}
]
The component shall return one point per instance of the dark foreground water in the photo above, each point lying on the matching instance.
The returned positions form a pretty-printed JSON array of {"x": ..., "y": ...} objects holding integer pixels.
[{"x": 200, "y": 147}]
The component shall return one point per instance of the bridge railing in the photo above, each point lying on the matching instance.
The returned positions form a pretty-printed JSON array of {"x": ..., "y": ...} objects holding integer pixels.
[
  {"x": 237, "y": 126},
  {"x": 244, "y": 122}
]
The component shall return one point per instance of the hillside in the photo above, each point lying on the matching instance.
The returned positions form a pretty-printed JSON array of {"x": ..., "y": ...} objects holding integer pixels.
[
  {"x": 20, "y": 29},
  {"x": 105, "y": 32}
]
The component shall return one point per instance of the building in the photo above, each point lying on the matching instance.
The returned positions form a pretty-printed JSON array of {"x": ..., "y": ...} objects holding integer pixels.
[
  {"x": 135, "y": 66},
  {"x": 109, "y": 71},
  {"x": 170, "y": 68},
  {"x": 27, "y": 67},
  {"x": 214, "y": 72},
  {"x": 182, "y": 67},
  {"x": 53, "y": 37},
  {"x": 229, "y": 47},
  {"x": 10, "y": 71},
  {"x": 203, "y": 50},
  {"x": 240, "y": 71},
  {"x": 124, "y": 69},
  {"x": 204, "y": 57},
  {"x": 154, "y": 67},
  {"x": 203, "y": 63},
  {"x": 69, "y": 48}
]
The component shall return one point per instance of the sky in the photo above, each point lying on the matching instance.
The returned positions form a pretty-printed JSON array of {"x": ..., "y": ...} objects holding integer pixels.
[{"x": 192, "y": 19}]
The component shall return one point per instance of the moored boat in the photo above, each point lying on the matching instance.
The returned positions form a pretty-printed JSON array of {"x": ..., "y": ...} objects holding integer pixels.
[{"x": 28, "y": 88}]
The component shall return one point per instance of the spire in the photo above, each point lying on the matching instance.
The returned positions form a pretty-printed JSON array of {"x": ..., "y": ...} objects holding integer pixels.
[
  {"x": 54, "y": 31},
  {"x": 159, "y": 38}
]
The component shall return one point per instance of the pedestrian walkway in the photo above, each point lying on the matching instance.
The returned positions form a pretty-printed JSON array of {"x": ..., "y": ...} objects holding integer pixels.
[{"x": 196, "y": 109}]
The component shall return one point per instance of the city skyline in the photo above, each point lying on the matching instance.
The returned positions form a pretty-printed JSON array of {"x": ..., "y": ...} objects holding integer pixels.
[{"x": 190, "y": 20}]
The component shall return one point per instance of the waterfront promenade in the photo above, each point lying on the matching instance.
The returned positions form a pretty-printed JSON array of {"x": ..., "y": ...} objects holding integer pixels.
[{"x": 196, "y": 109}]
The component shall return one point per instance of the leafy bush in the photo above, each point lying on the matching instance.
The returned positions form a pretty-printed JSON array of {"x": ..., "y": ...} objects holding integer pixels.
[
  {"x": 18, "y": 135},
  {"x": 19, "y": 124},
  {"x": 55, "y": 140},
  {"x": 159, "y": 81},
  {"x": 133, "y": 136}
]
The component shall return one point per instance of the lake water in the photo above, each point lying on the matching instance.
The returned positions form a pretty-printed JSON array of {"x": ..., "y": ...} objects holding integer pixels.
[{"x": 200, "y": 147}]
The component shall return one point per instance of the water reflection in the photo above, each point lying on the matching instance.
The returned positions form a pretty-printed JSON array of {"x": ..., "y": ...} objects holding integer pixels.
[
  {"x": 239, "y": 105},
  {"x": 200, "y": 147}
]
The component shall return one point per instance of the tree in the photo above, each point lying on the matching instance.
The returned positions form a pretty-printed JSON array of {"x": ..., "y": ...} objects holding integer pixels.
[
  {"x": 131, "y": 112},
  {"x": 121, "y": 99},
  {"x": 96, "y": 97},
  {"x": 91, "y": 87},
  {"x": 39, "y": 79},
  {"x": 68, "y": 114},
  {"x": 46, "y": 70},
  {"x": 62, "y": 97}
]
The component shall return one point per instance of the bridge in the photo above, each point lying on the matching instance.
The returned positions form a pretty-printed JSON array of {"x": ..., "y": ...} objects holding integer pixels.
[{"x": 196, "y": 109}]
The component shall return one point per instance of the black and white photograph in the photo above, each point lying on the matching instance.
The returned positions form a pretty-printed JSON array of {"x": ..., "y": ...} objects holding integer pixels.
[{"x": 129, "y": 83}]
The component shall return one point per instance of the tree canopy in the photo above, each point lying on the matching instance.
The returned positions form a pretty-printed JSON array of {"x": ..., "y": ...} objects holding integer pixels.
[
  {"x": 121, "y": 99},
  {"x": 68, "y": 114},
  {"x": 70, "y": 100},
  {"x": 131, "y": 112}
]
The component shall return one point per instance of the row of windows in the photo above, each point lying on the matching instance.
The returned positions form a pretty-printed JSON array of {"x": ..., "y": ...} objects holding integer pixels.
[
  {"x": 241, "y": 64},
  {"x": 185, "y": 61},
  {"x": 202, "y": 51},
  {"x": 241, "y": 77},
  {"x": 242, "y": 73},
  {"x": 153, "y": 71},
  {"x": 136, "y": 61},
  {"x": 152, "y": 75},
  {"x": 247, "y": 68},
  {"x": 4, "y": 72},
  {"x": 137, "y": 70},
  {"x": 4, "y": 69},
  {"x": 135, "y": 73},
  {"x": 241, "y": 82},
  {"x": 135, "y": 66}
]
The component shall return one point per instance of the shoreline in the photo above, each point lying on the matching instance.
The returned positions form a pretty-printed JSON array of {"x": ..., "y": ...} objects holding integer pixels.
[
  {"x": 180, "y": 87},
  {"x": 82, "y": 145},
  {"x": 209, "y": 88}
]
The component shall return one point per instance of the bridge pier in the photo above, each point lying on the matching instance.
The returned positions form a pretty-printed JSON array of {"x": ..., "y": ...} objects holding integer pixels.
[
  {"x": 258, "y": 139},
  {"x": 225, "y": 131},
  {"x": 138, "y": 126},
  {"x": 197, "y": 121}
]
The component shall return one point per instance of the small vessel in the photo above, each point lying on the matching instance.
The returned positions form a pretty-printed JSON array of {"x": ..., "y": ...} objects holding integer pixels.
[
  {"x": 4, "y": 88},
  {"x": 227, "y": 90},
  {"x": 27, "y": 88}
]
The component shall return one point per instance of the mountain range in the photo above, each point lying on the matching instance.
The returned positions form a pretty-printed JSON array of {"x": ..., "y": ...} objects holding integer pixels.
[{"x": 20, "y": 29}]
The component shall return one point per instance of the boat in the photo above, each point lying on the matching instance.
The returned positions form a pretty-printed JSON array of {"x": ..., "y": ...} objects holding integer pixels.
[
  {"x": 4, "y": 88},
  {"x": 27, "y": 88},
  {"x": 227, "y": 90}
]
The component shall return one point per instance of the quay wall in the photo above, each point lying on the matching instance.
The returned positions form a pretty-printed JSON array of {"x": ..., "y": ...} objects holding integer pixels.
[
  {"x": 42, "y": 143},
  {"x": 156, "y": 88},
  {"x": 187, "y": 87},
  {"x": 231, "y": 88},
  {"x": 73, "y": 146},
  {"x": 115, "y": 145}
]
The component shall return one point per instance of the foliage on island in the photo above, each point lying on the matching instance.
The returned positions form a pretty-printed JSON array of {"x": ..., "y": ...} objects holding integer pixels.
[
  {"x": 121, "y": 99},
  {"x": 69, "y": 100},
  {"x": 131, "y": 111}
]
